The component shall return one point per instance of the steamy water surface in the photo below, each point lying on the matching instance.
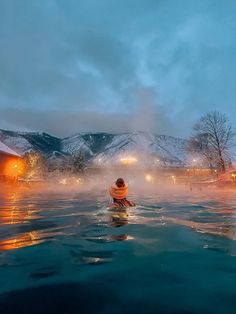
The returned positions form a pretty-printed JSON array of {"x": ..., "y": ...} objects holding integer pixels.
[{"x": 65, "y": 252}]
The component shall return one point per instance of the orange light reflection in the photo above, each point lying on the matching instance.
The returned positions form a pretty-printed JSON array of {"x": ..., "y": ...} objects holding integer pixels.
[{"x": 27, "y": 239}]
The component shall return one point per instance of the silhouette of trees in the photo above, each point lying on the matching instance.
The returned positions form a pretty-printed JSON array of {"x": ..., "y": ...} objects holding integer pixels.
[{"x": 212, "y": 138}]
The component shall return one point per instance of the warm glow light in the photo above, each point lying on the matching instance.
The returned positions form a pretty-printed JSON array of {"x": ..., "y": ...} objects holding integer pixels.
[
  {"x": 174, "y": 179},
  {"x": 70, "y": 181},
  {"x": 63, "y": 181},
  {"x": 14, "y": 167},
  {"x": 128, "y": 160},
  {"x": 26, "y": 239},
  {"x": 149, "y": 178}
]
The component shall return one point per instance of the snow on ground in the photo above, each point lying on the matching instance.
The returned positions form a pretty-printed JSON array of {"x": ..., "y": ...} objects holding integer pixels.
[{"x": 74, "y": 144}]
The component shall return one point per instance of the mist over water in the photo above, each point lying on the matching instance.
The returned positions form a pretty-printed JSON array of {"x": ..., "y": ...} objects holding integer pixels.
[{"x": 64, "y": 240}]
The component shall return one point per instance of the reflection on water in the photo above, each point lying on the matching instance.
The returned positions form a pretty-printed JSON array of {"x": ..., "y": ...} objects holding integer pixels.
[
  {"x": 30, "y": 238},
  {"x": 92, "y": 257},
  {"x": 119, "y": 217},
  {"x": 29, "y": 219},
  {"x": 52, "y": 239}
]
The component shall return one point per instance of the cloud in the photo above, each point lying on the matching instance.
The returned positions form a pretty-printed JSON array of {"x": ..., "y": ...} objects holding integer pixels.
[
  {"x": 140, "y": 64},
  {"x": 65, "y": 123}
]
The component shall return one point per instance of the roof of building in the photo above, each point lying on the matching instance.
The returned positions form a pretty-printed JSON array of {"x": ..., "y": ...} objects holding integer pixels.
[{"x": 7, "y": 150}]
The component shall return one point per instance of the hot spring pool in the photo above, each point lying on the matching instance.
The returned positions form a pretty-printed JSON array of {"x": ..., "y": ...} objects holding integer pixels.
[{"x": 66, "y": 253}]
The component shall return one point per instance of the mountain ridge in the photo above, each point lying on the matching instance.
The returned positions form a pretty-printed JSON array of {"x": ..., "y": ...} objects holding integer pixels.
[{"x": 102, "y": 147}]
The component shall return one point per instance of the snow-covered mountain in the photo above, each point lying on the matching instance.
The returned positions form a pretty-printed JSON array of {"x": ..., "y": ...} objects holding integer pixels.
[
  {"x": 143, "y": 148},
  {"x": 90, "y": 143},
  {"x": 76, "y": 144},
  {"x": 23, "y": 142},
  {"x": 103, "y": 148}
]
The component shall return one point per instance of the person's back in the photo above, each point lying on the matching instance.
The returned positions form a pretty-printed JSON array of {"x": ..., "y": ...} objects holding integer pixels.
[{"x": 119, "y": 192}]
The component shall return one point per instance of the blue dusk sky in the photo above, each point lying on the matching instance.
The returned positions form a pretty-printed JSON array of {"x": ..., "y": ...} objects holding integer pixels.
[{"x": 68, "y": 66}]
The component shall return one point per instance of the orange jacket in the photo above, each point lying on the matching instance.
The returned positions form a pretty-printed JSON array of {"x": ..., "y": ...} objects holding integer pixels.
[{"x": 118, "y": 193}]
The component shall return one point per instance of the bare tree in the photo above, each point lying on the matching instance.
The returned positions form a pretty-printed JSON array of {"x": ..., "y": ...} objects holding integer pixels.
[
  {"x": 36, "y": 165},
  {"x": 212, "y": 138},
  {"x": 198, "y": 148}
]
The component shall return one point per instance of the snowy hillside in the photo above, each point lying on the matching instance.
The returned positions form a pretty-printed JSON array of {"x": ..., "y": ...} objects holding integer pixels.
[
  {"x": 75, "y": 144},
  {"x": 142, "y": 148},
  {"x": 15, "y": 141},
  {"x": 90, "y": 143},
  {"x": 23, "y": 142},
  {"x": 173, "y": 147}
]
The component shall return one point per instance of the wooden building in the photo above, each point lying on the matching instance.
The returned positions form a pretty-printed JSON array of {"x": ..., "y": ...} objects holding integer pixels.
[{"x": 10, "y": 163}]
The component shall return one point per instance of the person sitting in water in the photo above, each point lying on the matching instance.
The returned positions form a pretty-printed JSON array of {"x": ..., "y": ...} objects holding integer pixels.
[{"x": 119, "y": 192}]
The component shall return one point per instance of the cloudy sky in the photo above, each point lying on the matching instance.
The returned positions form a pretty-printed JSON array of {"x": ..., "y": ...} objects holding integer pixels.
[{"x": 115, "y": 65}]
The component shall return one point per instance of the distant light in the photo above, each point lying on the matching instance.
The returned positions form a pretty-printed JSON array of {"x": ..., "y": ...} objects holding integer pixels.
[
  {"x": 128, "y": 160},
  {"x": 15, "y": 166},
  {"x": 149, "y": 178},
  {"x": 174, "y": 179},
  {"x": 63, "y": 181}
]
